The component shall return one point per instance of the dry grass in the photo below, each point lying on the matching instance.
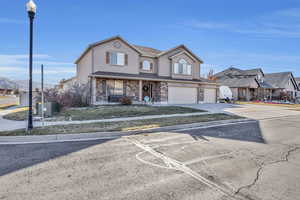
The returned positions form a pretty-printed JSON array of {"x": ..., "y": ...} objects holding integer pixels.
[
  {"x": 120, "y": 126},
  {"x": 293, "y": 106},
  {"x": 18, "y": 114},
  {"x": 109, "y": 112}
]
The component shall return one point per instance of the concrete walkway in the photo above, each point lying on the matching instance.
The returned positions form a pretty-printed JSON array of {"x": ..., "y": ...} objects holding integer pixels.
[{"x": 8, "y": 125}]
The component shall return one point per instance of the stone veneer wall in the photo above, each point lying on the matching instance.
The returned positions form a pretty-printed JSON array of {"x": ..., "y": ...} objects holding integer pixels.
[
  {"x": 132, "y": 89},
  {"x": 101, "y": 90},
  {"x": 163, "y": 91}
]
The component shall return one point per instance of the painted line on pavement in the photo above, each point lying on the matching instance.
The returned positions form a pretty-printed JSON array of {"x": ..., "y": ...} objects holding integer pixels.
[
  {"x": 176, "y": 165},
  {"x": 212, "y": 126}
]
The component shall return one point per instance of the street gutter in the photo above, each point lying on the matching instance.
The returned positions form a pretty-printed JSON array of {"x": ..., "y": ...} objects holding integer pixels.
[{"x": 30, "y": 139}]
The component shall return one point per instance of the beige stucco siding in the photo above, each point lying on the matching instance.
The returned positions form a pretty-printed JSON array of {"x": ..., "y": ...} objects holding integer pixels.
[
  {"x": 166, "y": 64},
  {"x": 99, "y": 58},
  {"x": 84, "y": 68}
]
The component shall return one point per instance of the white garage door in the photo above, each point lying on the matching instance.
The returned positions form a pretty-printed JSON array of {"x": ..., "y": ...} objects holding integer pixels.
[
  {"x": 182, "y": 95},
  {"x": 210, "y": 95}
]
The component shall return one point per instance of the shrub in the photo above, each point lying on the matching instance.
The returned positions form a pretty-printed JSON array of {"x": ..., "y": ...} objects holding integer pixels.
[
  {"x": 126, "y": 101},
  {"x": 76, "y": 96}
]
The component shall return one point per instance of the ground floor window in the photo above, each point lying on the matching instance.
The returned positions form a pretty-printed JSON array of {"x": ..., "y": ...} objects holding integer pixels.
[{"x": 115, "y": 87}]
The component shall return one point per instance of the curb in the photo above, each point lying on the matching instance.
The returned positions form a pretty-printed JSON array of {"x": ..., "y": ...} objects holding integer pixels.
[{"x": 113, "y": 135}]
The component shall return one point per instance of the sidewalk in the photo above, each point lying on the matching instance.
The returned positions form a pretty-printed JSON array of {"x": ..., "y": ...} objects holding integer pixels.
[{"x": 7, "y": 125}]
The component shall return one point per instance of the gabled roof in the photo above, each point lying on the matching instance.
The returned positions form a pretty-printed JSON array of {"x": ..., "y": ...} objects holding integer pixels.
[
  {"x": 253, "y": 71},
  {"x": 148, "y": 51},
  {"x": 142, "y": 50},
  {"x": 178, "y": 47},
  {"x": 232, "y": 71},
  {"x": 239, "y": 82},
  {"x": 104, "y": 41},
  {"x": 280, "y": 79}
]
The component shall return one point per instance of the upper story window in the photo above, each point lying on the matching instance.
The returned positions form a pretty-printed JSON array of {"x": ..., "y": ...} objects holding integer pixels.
[
  {"x": 146, "y": 65},
  {"x": 116, "y": 58},
  {"x": 182, "y": 67}
]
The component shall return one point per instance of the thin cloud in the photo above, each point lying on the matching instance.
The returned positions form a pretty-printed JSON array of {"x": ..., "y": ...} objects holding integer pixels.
[
  {"x": 282, "y": 23},
  {"x": 16, "y": 67},
  {"x": 219, "y": 61},
  {"x": 292, "y": 12},
  {"x": 11, "y": 21}
]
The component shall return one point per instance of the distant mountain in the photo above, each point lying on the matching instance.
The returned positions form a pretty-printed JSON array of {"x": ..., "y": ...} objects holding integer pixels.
[
  {"x": 5, "y": 83},
  {"x": 24, "y": 85}
]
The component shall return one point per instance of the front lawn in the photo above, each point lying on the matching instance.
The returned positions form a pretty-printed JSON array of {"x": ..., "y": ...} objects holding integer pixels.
[
  {"x": 120, "y": 126},
  {"x": 109, "y": 112}
]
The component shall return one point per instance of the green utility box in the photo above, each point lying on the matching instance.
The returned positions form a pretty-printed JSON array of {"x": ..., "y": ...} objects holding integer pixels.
[{"x": 50, "y": 108}]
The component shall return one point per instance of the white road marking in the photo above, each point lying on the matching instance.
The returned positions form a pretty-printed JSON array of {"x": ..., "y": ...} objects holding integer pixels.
[
  {"x": 205, "y": 158},
  {"x": 149, "y": 163},
  {"x": 212, "y": 126},
  {"x": 176, "y": 165}
]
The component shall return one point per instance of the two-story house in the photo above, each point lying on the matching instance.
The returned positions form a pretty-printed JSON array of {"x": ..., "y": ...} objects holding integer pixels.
[{"x": 114, "y": 68}]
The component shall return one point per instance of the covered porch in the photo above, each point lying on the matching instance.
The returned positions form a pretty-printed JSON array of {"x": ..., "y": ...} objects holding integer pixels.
[{"x": 110, "y": 90}]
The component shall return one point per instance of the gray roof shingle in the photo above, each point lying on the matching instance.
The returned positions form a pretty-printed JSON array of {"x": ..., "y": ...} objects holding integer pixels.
[
  {"x": 148, "y": 51},
  {"x": 278, "y": 80},
  {"x": 148, "y": 76},
  {"x": 248, "y": 82}
]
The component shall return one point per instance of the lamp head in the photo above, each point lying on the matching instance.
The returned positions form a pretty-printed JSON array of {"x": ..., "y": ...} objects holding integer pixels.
[{"x": 31, "y": 7}]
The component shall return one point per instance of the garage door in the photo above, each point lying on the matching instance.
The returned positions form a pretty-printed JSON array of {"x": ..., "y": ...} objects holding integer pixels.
[
  {"x": 182, "y": 95},
  {"x": 210, "y": 95}
]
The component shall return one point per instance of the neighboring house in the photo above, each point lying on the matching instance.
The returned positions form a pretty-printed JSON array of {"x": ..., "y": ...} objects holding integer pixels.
[
  {"x": 7, "y": 86},
  {"x": 67, "y": 84},
  {"x": 253, "y": 84},
  {"x": 298, "y": 82},
  {"x": 6, "y": 91},
  {"x": 114, "y": 68}
]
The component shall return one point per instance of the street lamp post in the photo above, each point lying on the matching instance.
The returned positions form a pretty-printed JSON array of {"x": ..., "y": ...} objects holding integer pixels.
[{"x": 31, "y": 9}]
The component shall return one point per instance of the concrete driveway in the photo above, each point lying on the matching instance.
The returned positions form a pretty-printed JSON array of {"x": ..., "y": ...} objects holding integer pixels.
[{"x": 252, "y": 161}]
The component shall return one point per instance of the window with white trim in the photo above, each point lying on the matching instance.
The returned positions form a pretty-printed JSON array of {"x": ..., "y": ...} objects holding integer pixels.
[
  {"x": 146, "y": 65},
  {"x": 116, "y": 58},
  {"x": 182, "y": 67}
]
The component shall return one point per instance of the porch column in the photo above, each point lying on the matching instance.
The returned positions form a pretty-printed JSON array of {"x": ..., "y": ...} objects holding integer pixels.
[
  {"x": 247, "y": 94},
  {"x": 140, "y": 90},
  {"x": 94, "y": 90},
  {"x": 271, "y": 94}
]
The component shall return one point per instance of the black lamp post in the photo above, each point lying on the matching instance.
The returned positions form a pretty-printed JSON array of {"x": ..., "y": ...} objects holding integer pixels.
[{"x": 31, "y": 9}]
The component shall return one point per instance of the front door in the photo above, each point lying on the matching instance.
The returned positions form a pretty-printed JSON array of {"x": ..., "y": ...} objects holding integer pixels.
[{"x": 148, "y": 91}]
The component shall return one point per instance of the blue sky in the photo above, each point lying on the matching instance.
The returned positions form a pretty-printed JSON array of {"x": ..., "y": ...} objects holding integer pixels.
[{"x": 245, "y": 34}]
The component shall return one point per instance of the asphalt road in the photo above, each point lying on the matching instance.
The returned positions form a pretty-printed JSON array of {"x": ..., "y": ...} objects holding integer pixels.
[{"x": 243, "y": 161}]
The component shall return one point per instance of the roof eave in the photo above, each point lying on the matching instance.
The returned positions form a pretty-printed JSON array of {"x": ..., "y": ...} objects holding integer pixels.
[{"x": 90, "y": 46}]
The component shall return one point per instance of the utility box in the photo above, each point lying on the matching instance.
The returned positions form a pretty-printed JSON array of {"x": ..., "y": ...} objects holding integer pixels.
[{"x": 50, "y": 108}]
